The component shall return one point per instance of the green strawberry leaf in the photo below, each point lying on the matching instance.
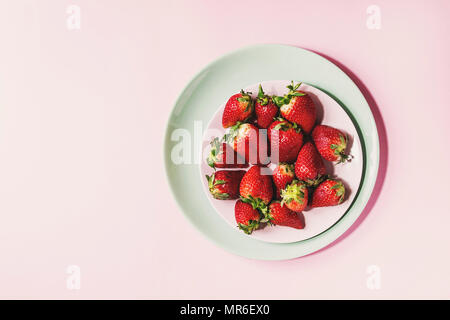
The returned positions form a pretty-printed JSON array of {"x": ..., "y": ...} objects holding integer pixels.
[
  {"x": 293, "y": 192},
  {"x": 215, "y": 151},
  {"x": 278, "y": 126},
  {"x": 339, "y": 187},
  {"x": 232, "y": 133},
  {"x": 260, "y": 92},
  {"x": 219, "y": 182},
  {"x": 257, "y": 204},
  {"x": 249, "y": 227},
  {"x": 221, "y": 196},
  {"x": 317, "y": 181},
  {"x": 210, "y": 180},
  {"x": 280, "y": 101},
  {"x": 211, "y": 162}
]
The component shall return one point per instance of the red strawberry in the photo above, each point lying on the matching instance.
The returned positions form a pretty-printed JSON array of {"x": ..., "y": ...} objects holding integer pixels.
[
  {"x": 238, "y": 108},
  {"x": 329, "y": 193},
  {"x": 249, "y": 142},
  {"x": 222, "y": 155},
  {"x": 265, "y": 109},
  {"x": 283, "y": 216},
  {"x": 246, "y": 216},
  {"x": 286, "y": 138},
  {"x": 295, "y": 196},
  {"x": 256, "y": 185},
  {"x": 282, "y": 175},
  {"x": 224, "y": 185},
  {"x": 309, "y": 166},
  {"x": 298, "y": 107},
  {"x": 330, "y": 142}
]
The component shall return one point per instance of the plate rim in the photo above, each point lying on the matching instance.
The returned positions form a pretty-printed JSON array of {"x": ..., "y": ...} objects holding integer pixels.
[{"x": 333, "y": 232}]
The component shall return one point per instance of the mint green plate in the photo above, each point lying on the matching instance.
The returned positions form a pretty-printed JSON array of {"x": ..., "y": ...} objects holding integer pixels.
[{"x": 216, "y": 83}]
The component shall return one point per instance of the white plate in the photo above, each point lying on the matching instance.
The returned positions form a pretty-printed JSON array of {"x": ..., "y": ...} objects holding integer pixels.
[{"x": 317, "y": 220}]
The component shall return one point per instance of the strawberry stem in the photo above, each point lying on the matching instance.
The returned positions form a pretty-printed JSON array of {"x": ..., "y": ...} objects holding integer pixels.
[
  {"x": 286, "y": 99},
  {"x": 262, "y": 98},
  {"x": 293, "y": 192}
]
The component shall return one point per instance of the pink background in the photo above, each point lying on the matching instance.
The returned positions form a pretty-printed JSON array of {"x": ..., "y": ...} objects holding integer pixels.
[{"x": 82, "y": 119}]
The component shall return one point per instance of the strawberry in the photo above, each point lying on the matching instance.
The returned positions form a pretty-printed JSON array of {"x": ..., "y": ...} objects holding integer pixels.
[
  {"x": 265, "y": 109},
  {"x": 238, "y": 108},
  {"x": 224, "y": 185},
  {"x": 330, "y": 142},
  {"x": 285, "y": 137},
  {"x": 309, "y": 166},
  {"x": 256, "y": 186},
  {"x": 329, "y": 193},
  {"x": 295, "y": 196},
  {"x": 298, "y": 107},
  {"x": 282, "y": 175},
  {"x": 249, "y": 142},
  {"x": 222, "y": 155},
  {"x": 246, "y": 216},
  {"x": 283, "y": 216}
]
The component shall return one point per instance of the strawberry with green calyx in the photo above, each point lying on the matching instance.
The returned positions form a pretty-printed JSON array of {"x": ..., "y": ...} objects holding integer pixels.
[
  {"x": 331, "y": 192},
  {"x": 247, "y": 217},
  {"x": 281, "y": 215},
  {"x": 238, "y": 108},
  {"x": 286, "y": 99},
  {"x": 309, "y": 166},
  {"x": 257, "y": 204},
  {"x": 265, "y": 109},
  {"x": 249, "y": 142},
  {"x": 222, "y": 155},
  {"x": 295, "y": 196},
  {"x": 282, "y": 175},
  {"x": 224, "y": 185},
  {"x": 330, "y": 142},
  {"x": 286, "y": 138},
  {"x": 256, "y": 185},
  {"x": 298, "y": 107}
]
